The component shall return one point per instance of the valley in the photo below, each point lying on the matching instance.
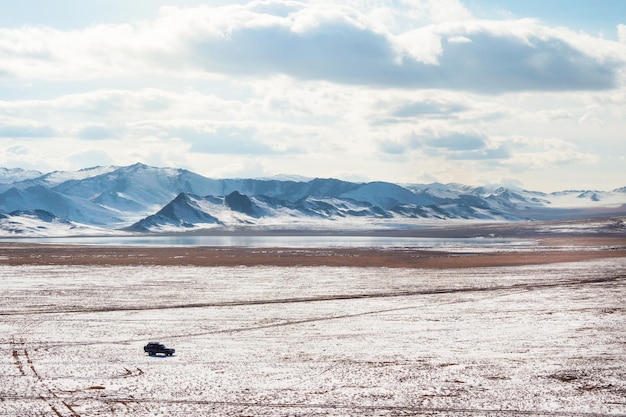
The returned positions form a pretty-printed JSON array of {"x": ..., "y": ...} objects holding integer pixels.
[{"x": 532, "y": 339}]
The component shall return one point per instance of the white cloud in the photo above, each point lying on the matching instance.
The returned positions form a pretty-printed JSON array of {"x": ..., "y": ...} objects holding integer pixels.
[
  {"x": 621, "y": 33},
  {"x": 89, "y": 158},
  {"x": 25, "y": 156},
  {"x": 459, "y": 39},
  {"x": 27, "y": 129},
  {"x": 310, "y": 42},
  {"x": 397, "y": 90},
  {"x": 590, "y": 118},
  {"x": 543, "y": 153}
]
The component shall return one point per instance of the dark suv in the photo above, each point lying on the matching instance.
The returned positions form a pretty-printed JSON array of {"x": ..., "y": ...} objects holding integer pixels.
[{"x": 154, "y": 348}]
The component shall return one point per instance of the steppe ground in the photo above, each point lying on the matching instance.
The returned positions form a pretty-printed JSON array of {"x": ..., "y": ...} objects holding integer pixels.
[{"x": 532, "y": 331}]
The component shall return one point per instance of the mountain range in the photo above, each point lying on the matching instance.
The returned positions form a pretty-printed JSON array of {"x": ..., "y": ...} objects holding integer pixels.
[{"x": 141, "y": 198}]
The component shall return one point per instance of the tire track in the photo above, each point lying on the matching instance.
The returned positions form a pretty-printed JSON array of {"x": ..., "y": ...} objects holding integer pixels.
[
  {"x": 321, "y": 298},
  {"x": 344, "y": 409},
  {"x": 287, "y": 323},
  {"x": 130, "y": 373},
  {"x": 139, "y": 371},
  {"x": 509, "y": 289},
  {"x": 327, "y": 408},
  {"x": 41, "y": 389},
  {"x": 18, "y": 362},
  {"x": 233, "y": 330}
]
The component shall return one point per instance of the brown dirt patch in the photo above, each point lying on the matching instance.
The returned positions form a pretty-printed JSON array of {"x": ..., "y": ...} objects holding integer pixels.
[{"x": 39, "y": 254}]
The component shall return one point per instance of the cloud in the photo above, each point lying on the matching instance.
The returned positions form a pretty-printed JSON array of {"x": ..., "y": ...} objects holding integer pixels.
[
  {"x": 621, "y": 33},
  {"x": 211, "y": 138},
  {"x": 24, "y": 156},
  {"x": 232, "y": 142},
  {"x": 448, "y": 144},
  {"x": 314, "y": 41},
  {"x": 100, "y": 132},
  {"x": 386, "y": 89},
  {"x": 458, "y": 141},
  {"x": 460, "y": 145},
  {"x": 496, "y": 154},
  {"x": 275, "y": 8},
  {"x": 491, "y": 58},
  {"x": 89, "y": 158},
  {"x": 333, "y": 49},
  {"x": 25, "y": 130},
  {"x": 536, "y": 153},
  {"x": 392, "y": 147},
  {"x": 427, "y": 108},
  {"x": 497, "y": 63}
]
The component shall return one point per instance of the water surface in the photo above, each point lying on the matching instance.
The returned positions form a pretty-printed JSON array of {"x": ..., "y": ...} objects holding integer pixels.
[{"x": 265, "y": 241}]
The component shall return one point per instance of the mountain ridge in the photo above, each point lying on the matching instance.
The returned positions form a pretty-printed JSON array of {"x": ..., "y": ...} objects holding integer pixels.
[{"x": 141, "y": 198}]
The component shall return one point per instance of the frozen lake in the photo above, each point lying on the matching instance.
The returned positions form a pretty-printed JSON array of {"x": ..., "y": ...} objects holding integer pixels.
[
  {"x": 546, "y": 340},
  {"x": 285, "y": 241}
]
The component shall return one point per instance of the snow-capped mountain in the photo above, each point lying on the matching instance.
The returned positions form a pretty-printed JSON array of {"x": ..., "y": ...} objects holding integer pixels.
[
  {"x": 11, "y": 175},
  {"x": 146, "y": 199},
  {"x": 40, "y": 223}
]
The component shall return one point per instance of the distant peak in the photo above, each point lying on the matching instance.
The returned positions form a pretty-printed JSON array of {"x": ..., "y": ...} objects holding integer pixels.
[
  {"x": 287, "y": 177},
  {"x": 138, "y": 165}
]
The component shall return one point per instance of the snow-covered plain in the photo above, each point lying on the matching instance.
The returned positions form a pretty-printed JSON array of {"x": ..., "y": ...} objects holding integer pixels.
[{"x": 546, "y": 340}]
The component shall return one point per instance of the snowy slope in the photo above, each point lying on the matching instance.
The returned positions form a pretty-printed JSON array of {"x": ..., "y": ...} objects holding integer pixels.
[
  {"x": 41, "y": 198},
  {"x": 236, "y": 210},
  {"x": 10, "y": 176},
  {"x": 572, "y": 198},
  {"x": 143, "y": 184},
  {"x": 185, "y": 211},
  {"x": 146, "y": 198},
  {"x": 387, "y": 196},
  {"x": 54, "y": 178},
  {"x": 39, "y": 223},
  {"x": 114, "y": 196}
]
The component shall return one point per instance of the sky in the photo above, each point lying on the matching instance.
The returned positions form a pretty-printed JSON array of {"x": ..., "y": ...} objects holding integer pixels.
[{"x": 479, "y": 92}]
